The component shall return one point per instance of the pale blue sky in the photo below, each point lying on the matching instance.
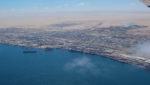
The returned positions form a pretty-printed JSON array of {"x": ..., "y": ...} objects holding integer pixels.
[{"x": 72, "y": 5}]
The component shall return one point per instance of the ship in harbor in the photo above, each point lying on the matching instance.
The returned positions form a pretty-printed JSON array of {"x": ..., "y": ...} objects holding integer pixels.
[{"x": 29, "y": 51}]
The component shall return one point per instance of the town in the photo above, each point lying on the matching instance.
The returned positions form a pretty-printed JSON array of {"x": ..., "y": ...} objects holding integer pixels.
[{"x": 114, "y": 42}]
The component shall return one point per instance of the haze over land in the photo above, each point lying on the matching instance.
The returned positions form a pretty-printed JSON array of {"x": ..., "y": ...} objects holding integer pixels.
[
  {"x": 83, "y": 20},
  {"x": 42, "y": 13}
]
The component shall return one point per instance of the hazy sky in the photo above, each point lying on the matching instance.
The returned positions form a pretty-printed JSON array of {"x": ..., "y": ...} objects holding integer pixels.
[
  {"x": 28, "y": 10},
  {"x": 9, "y": 8},
  {"x": 71, "y": 5}
]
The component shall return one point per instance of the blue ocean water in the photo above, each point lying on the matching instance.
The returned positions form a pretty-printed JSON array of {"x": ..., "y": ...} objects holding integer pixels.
[{"x": 62, "y": 67}]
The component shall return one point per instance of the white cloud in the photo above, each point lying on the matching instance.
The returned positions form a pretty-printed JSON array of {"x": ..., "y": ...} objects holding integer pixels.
[
  {"x": 63, "y": 6},
  {"x": 82, "y": 65},
  {"x": 133, "y": 4},
  {"x": 143, "y": 49},
  {"x": 82, "y": 4},
  {"x": 46, "y": 8}
]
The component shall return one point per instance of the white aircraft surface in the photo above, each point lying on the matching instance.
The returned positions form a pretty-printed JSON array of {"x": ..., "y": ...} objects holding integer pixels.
[{"x": 146, "y": 2}]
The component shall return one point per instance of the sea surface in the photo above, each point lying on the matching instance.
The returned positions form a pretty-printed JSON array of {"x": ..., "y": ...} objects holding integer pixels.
[{"x": 63, "y": 67}]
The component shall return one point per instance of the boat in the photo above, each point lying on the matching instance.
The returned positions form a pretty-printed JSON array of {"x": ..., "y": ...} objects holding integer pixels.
[
  {"x": 29, "y": 51},
  {"x": 48, "y": 49}
]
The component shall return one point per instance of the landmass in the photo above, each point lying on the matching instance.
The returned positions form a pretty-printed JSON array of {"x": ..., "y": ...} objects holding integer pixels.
[{"x": 115, "y": 41}]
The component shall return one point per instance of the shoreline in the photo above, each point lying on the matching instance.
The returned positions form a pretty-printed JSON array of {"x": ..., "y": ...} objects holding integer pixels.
[
  {"x": 141, "y": 63},
  {"x": 122, "y": 58}
]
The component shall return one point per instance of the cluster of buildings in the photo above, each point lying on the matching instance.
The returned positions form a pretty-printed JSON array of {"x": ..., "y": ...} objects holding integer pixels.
[{"x": 109, "y": 41}]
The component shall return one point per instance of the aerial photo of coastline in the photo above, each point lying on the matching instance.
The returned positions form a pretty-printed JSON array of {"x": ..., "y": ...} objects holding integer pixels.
[{"x": 75, "y": 42}]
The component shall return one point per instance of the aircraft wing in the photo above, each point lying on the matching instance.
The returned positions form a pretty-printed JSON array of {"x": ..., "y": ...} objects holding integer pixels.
[{"x": 146, "y": 2}]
